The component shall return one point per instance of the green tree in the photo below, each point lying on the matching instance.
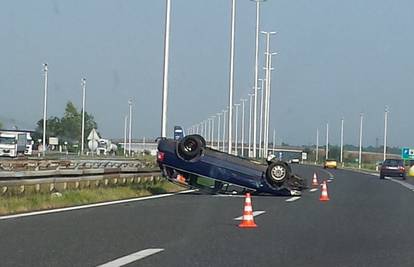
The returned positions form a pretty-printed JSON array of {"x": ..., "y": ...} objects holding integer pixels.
[{"x": 67, "y": 128}]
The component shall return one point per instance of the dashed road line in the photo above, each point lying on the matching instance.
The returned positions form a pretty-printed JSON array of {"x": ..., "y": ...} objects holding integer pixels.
[
  {"x": 132, "y": 257},
  {"x": 292, "y": 199},
  {"x": 255, "y": 213},
  {"x": 313, "y": 190},
  {"x": 91, "y": 205}
]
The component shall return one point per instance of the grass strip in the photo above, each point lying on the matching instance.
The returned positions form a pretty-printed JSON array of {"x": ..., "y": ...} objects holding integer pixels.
[{"x": 33, "y": 202}]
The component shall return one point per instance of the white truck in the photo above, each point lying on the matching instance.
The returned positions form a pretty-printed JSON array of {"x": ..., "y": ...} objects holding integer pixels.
[
  {"x": 14, "y": 143},
  {"x": 106, "y": 147}
]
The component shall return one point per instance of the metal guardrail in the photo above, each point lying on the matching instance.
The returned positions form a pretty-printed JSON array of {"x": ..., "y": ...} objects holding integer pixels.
[{"x": 22, "y": 186}]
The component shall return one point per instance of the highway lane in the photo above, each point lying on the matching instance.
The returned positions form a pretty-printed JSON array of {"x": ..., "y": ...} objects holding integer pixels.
[{"x": 367, "y": 222}]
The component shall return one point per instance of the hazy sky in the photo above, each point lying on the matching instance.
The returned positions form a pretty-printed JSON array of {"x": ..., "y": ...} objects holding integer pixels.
[{"x": 336, "y": 59}]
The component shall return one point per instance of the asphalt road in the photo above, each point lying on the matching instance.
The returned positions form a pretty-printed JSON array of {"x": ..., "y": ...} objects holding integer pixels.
[{"x": 367, "y": 222}]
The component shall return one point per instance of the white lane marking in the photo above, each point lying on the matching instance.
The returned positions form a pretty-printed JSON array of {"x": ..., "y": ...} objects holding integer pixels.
[
  {"x": 405, "y": 184},
  {"x": 91, "y": 205},
  {"x": 330, "y": 180},
  {"x": 132, "y": 257},
  {"x": 255, "y": 213},
  {"x": 292, "y": 199},
  {"x": 313, "y": 190},
  {"x": 222, "y": 195}
]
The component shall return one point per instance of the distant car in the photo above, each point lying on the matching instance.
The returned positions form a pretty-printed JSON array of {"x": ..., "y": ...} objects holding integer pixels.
[
  {"x": 393, "y": 168},
  {"x": 330, "y": 163},
  {"x": 189, "y": 162}
]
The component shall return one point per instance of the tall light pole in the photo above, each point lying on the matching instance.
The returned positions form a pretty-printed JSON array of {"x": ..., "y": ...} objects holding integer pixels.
[
  {"x": 212, "y": 131},
  {"x": 208, "y": 135},
  {"x": 342, "y": 142},
  {"x": 274, "y": 140},
  {"x": 224, "y": 129},
  {"x": 125, "y": 133},
  {"x": 266, "y": 103},
  {"x": 242, "y": 126},
  {"x": 83, "y": 83},
  {"x": 166, "y": 61},
  {"x": 360, "y": 140},
  {"x": 130, "y": 126},
  {"x": 218, "y": 130},
  {"x": 231, "y": 82},
  {"x": 250, "y": 125},
  {"x": 256, "y": 70},
  {"x": 45, "y": 110},
  {"x": 236, "y": 121},
  {"x": 327, "y": 142},
  {"x": 385, "y": 131},
  {"x": 317, "y": 147},
  {"x": 261, "y": 117}
]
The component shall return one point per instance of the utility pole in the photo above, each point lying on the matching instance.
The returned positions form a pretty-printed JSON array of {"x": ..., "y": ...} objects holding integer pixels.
[
  {"x": 83, "y": 83},
  {"x": 45, "y": 69},
  {"x": 231, "y": 82},
  {"x": 224, "y": 129}
]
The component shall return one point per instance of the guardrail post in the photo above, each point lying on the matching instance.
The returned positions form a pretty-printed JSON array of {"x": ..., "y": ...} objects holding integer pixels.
[
  {"x": 4, "y": 190},
  {"x": 21, "y": 189}
]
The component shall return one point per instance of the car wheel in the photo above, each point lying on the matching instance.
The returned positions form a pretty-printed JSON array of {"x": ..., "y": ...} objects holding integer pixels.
[
  {"x": 277, "y": 173},
  {"x": 382, "y": 176},
  {"x": 190, "y": 147},
  {"x": 404, "y": 177}
]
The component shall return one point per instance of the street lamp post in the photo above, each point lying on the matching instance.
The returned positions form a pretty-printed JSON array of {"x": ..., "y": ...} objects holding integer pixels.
[
  {"x": 317, "y": 147},
  {"x": 267, "y": 103},
  {"x": 236, "y": 126},
  {"x": 218, "y": 131},
  {"x": 224, "y": 129},
  {"x": 256, "y": 70},
  {"x": 385, "y": 131},
  {"x": 250, "y": 125},
  {"x": 261, "y": 117},
  {"x": 83, "y": 83},
  {"x": 360, "y": 141},
  {"x": 45, "y": 69},
  {"x": 242, "y": 126},
  {"x": 342, "y": 142},
  {"x": 166, "y": 61},
  {"x": 125, "y": 133},
  {"x": 130, "y": 126},
  {"x": 327, "y": 142},
  {"x": 212, "y": 130},
  {"x": 231, "y": 82}
]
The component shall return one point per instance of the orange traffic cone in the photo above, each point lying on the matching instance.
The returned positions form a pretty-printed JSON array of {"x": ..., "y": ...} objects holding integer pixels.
[
  {"x": 247, "y": 221},
  {"x": 324, "y": 194},
  {"x": 315, "y": 180}
]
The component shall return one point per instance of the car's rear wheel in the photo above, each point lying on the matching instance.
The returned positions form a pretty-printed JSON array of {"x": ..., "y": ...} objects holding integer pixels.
[
  {"x": 277, "y": 173},
  {"x": 382, "y": 176},
  {"x": 190, "y": 147}
]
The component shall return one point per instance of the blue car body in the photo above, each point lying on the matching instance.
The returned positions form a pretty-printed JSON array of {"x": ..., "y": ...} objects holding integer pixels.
[{"x": 218, "y": 166}]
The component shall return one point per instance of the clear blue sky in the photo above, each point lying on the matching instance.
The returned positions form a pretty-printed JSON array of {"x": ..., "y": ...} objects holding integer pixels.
[{"x": 337, "y": 59}]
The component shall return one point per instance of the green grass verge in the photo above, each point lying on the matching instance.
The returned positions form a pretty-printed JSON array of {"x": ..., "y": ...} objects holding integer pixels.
[{"x": 41, "y": 201}]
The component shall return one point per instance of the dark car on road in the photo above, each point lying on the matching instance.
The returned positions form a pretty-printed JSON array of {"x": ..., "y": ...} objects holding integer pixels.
[
  {"x": 393, "y": 168},
  {"x": 188, "y": 161}
]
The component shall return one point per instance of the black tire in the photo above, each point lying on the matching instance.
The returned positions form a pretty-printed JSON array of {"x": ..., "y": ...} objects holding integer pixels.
[
  {"x": 190, "y": 147},
  {"x": 277, "y": 173},
  {"x": 404, "y": 177},
  {"x": 382, "y": 177}
]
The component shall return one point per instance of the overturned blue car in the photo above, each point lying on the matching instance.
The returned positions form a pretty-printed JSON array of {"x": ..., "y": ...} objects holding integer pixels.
[{"x": 188, "y": 161}]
